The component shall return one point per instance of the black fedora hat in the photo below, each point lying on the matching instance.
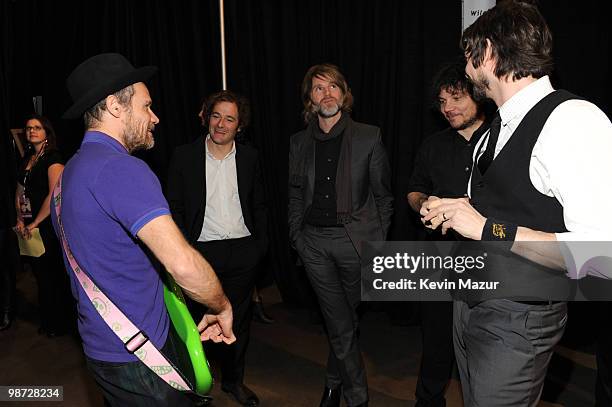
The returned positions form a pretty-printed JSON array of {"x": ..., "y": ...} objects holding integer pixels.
[{"x": 100, "y": 76}]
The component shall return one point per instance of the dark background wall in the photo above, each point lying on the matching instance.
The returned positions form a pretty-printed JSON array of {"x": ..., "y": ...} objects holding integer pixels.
[{"x": 388, "y": 50}]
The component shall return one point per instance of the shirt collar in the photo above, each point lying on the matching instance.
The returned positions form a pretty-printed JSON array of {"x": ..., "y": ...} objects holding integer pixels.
[
  {"x": 484, "y": 126},
  {"x": 209, "y": 154},
  {"x": 520, "y": 103},
  {"x": 93, "y": 136}
]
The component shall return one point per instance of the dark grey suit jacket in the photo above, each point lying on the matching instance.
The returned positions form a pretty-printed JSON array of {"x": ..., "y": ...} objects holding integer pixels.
[
  {"x": 371, "y": 191},
  {"x": 186, "y": 190}
]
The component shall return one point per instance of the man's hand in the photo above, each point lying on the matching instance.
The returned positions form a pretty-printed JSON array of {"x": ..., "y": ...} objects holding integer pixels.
[
  {"x": 416, "y": 200},
  {"x": 218, "y": 327},
  {"x": 457, "y": 214},
  {"x": 427, "y": 205}
]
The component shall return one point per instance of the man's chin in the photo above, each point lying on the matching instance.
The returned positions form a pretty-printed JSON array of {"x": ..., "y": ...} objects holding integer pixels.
[
  {"x": 325, "y": 113},
  {"x": 144, "y": 146},
  {"x": 463, "y": 125}
]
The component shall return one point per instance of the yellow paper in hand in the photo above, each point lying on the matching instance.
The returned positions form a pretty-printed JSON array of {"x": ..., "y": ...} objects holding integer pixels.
[{"x": 34, "y": 246}]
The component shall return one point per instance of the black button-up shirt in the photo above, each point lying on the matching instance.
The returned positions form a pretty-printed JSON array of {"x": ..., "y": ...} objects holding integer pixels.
[
  {"x": 323, "y": 209},
  {"x": 444, "y": 163}
]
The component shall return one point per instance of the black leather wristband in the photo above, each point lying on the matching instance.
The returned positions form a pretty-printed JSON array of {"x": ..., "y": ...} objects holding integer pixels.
[{"x": 499, "y": 231}]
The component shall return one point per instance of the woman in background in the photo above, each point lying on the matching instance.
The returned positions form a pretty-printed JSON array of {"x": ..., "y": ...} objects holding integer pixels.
[{"x": 38, "y": 173}]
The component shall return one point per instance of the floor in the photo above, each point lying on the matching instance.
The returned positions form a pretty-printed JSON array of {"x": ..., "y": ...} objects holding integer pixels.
[{"x": 285, "y": 362}]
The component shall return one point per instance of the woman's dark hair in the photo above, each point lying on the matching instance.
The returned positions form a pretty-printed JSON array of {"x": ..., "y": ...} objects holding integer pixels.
[
  {"x": 46, "y": 124},
  {"x": 520, "y": 39}
]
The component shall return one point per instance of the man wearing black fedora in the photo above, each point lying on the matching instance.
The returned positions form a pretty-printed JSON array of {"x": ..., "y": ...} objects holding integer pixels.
[{"x": 112, "y": 202}]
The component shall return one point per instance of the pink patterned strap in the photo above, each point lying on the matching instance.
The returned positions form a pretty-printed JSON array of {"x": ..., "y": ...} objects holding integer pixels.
[{"x": 135, "y": 341}]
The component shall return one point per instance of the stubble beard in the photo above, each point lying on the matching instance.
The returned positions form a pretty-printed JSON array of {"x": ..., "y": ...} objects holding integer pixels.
[
  {"x": 327, "y": 112},
  {"x": 467, "y": 123},
  {"x": 136, "y": 135},
  {"x": 481, "y": 86}
]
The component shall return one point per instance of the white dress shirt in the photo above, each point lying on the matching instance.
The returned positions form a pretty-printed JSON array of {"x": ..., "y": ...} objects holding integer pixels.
[
  {"x": 223, "y": 217},
  {"x": 570, "y": 160}
]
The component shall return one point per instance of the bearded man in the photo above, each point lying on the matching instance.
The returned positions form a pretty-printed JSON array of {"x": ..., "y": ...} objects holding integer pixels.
[
  {"x": 442, "y": 169},
  {"x": 537, "y": 177},
  {"x": 339, "y": 196},
  {"x": 111, "y": 207}
]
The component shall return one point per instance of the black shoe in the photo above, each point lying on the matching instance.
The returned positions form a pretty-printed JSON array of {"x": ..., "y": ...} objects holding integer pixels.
[
  {"x": 5, "y": 320},
  {"x": 331, "y": 397},
  {"x": 259, "y": 313},
  {"x": 242, "y": 394}
]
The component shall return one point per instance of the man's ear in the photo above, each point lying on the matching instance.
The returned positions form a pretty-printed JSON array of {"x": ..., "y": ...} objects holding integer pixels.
[
  {"x": 113, "y": 106},
  {"x": 488, "y": 57}
]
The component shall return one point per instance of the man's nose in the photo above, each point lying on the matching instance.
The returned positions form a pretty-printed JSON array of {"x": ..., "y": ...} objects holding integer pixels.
[{"x": 154, "y": 118}]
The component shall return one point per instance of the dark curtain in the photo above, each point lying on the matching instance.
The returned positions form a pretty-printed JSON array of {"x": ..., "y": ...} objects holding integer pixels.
[
  {"x": 50, "y": 38},
  {"x": 6, "y": 32},
  {"x": 582, "y": 49},
  {"x": 388, "y": 50},
  {"x": 8, "y": 168}
]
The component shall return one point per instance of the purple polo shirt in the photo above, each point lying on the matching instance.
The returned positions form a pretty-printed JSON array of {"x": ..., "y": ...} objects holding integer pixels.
[{"x": 107, "y": 197}]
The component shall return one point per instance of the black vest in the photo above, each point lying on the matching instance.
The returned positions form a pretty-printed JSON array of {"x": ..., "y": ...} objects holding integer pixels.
[{"x": 505, "y": 192}]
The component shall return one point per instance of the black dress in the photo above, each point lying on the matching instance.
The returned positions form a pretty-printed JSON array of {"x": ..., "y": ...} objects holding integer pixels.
[{"x": 54, "y": 298}]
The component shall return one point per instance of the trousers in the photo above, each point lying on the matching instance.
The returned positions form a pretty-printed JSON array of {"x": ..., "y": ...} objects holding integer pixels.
[{"x": 334, "y": 270}]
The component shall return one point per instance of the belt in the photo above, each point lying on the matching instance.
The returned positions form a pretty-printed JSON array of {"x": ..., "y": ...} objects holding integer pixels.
[
  {"x": 335, "y": 225},
  {"x": 539, "y": 302},
  {"x": 472, "y": 304}
]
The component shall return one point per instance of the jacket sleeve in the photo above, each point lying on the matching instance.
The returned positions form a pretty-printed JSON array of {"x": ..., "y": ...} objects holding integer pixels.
[
  {"x": 174, "y": 191},
  {"x": 380, "y": 183},
  {"x": 296, "y": 198}
]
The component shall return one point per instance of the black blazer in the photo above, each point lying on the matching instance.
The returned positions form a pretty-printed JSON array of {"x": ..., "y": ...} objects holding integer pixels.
[
  {"x": 371, "y": 185},
  {"x": 186, "y": 190}
]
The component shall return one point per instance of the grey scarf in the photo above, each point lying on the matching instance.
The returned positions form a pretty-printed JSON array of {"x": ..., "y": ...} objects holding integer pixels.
[{"x": 344, "y": 126}]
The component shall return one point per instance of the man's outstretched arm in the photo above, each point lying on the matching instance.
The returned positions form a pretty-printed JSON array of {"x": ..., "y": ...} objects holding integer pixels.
[{"x": 193, "y": 273}]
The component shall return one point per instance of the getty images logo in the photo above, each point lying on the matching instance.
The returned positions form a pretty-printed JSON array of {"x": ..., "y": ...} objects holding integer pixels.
[{"x": 412, "y": 264}]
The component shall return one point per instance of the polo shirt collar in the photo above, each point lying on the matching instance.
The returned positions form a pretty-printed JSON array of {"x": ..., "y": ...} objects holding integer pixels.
[{"x": 93, "y": 136}]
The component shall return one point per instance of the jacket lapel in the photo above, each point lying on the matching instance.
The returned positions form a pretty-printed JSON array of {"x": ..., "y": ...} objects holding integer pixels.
[
  {"x": 309, "y": 164},
  {"x": 199, "y": 187},
  {"x": 242, "y": 175}
]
